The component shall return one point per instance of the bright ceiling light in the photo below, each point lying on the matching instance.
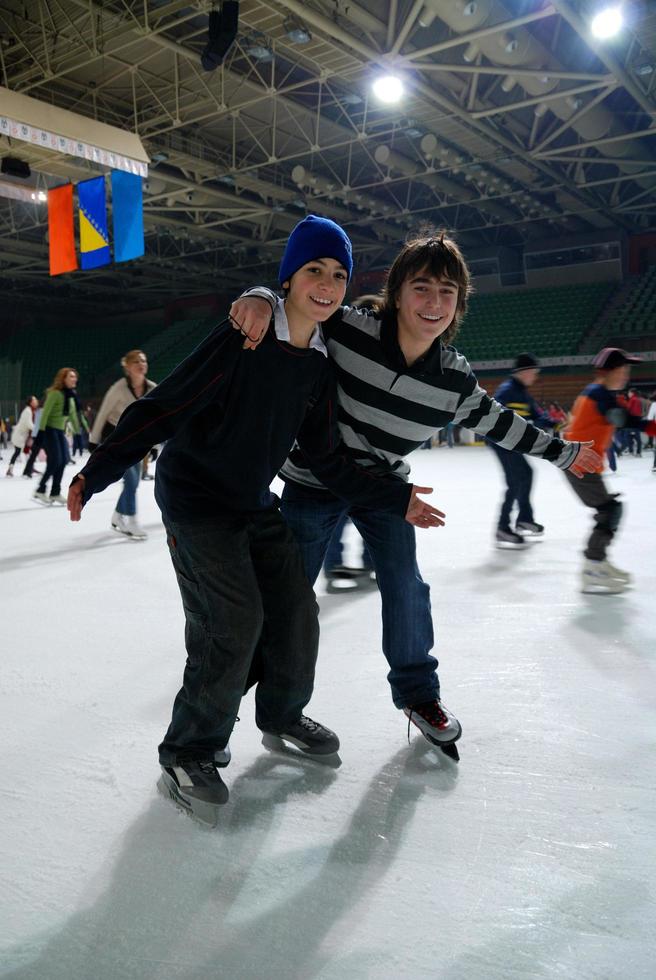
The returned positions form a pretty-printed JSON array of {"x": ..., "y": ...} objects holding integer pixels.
[
  {"x": 607, "y": 23},
  {"x": 388, "y": 88}
]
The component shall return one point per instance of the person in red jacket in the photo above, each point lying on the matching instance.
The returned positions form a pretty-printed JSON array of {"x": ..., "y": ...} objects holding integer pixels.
[
  {"x": 635, "y": 408},
  {"x": 597, "y": 412}
]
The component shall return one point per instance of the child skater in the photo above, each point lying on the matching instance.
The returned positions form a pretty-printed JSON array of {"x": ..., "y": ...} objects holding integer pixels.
[
  {"x": 399, "y": 379},
  {"x": 595, "y": 415},
  {"x": 238, "y": 568}
]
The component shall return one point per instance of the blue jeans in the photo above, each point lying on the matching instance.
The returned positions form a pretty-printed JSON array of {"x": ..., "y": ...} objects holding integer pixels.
[
  {"x": 56, "y": 447},
  {"x": 405, "y": 597},
  {"x": 127, "y": 502},
  {"x": 519, "y": 480},
  {"x": 335, "y": 552},
  {"x": 241, "y": 578}
]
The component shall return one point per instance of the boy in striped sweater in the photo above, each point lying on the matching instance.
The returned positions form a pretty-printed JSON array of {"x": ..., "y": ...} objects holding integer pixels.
[{"x": 399, "y": 379}]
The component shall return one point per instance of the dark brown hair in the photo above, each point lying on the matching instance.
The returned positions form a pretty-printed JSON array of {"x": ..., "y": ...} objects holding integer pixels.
[{"x": 438, "y": 256}]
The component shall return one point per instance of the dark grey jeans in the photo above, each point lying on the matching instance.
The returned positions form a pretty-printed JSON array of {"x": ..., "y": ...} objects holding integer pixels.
[
  {"x": 240, "y": 578},
  {"x": 591, "y": 490}
]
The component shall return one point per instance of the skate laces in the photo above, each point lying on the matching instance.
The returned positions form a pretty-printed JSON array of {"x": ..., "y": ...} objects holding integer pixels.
[
  {"x": 430, "y": 711},
  {"x": 308, "y": 724},
  {"x": 207, "y": 767}
]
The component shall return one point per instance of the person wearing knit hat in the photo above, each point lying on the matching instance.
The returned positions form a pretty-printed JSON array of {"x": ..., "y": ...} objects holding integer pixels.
[
  {"x": 314, "y": 238},
  {"x": 238, "y": 566},
  {"x": 518, "y": 474},
  {"x": 596, "y": 414}
]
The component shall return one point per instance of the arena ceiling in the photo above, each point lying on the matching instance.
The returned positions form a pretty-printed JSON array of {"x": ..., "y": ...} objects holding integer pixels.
[{"x": 516, "y": 125}]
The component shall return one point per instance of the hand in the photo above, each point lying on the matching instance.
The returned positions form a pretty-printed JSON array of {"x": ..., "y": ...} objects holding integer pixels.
[
  {"x": 586, "y": 461},
  {"x": 422, "y": 514},
  {"x": 251, "y": 315},
  {"x": 75, "y": 501}
]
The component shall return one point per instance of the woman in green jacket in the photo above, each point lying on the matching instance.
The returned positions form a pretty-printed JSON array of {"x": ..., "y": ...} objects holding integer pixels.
[{"x": 61, "y": 405}]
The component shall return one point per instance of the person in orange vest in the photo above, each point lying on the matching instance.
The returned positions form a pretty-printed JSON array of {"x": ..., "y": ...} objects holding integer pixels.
[{"x": 596, "y": 414}]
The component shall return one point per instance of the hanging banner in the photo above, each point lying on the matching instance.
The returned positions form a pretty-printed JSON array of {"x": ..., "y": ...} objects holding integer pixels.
[
  {"x": 127, "y": 210},
  {"x": 61, "y": 237},
  {"x": 94, "y": 236}
]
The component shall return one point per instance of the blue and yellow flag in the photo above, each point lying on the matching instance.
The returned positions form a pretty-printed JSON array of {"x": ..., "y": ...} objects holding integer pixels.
[
  {"x": 127, "y": 211},
  {"x": 94, "y": 237}
]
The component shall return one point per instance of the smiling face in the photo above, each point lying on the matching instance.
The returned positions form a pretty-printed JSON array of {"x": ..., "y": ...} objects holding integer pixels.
[
  {"x": 426, "y": 306},
  {"x": 316, "y": 290},
  {"x": 71, "y": 379}
]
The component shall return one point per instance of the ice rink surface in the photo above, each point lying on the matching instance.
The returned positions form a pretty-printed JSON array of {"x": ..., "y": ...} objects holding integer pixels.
[{"x": 535, "y": 857}]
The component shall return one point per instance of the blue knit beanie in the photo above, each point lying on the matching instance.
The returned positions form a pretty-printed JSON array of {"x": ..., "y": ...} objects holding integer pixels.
[{"x": 315, "y": 238}]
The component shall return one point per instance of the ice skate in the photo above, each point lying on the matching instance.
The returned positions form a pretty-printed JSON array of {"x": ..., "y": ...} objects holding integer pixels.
[
  {"x": 127, "y": 524},
  {"x": 196, "y": 788},
  {"x": 530, "y": 528},
  {"x": 41, "y": 498},
  {"x": 436, "y": 724},
  {"x": 59, "y": 500},
  {"x": 306, "y": 735},
  {"x": 505, "y": 538},
  {"x": 343, "y": 578},
  {"x": 617, "y": 573},
  {"x": 597, "y": 579},
  {"x": 10, "y": 470}
]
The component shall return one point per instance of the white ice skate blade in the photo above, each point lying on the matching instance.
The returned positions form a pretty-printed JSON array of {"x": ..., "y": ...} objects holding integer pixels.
[
  {"x": 511, "y": 546},
  {"x": 615, "y": 589},
  {"x": 206, "y": 814},
  {"x": 291, "y": 747}
]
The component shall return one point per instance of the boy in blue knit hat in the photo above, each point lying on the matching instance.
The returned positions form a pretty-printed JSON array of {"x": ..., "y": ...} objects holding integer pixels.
[{"x": 238, "y": 567}]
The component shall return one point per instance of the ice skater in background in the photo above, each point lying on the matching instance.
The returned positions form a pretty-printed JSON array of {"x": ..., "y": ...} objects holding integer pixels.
[
  {"x": 238, "y": 567},
  {"x": 596, "y": 415},
  {"x": 61, "y": 404},
  {"x": 514, "y": 394},
  {"x": 399, "y": 380},
  {"x": 122, "y": 393},
  {"x": 20, "y": 433}
]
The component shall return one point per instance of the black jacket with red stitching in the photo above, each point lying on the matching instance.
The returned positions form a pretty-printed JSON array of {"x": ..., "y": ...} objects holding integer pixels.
[{"x": 228, "y": 418}]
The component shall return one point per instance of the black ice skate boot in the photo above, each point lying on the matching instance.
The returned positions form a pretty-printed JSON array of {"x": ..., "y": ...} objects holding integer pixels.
[
  {"x": 505, "y": 538},
  {"x": 307, "y": 735},
  {"x": 196, "y": 787},
  {"x": 530, "y": 528},
  {"x": 437, "y": 724}
]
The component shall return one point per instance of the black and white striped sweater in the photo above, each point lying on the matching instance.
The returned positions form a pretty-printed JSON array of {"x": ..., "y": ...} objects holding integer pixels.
[{"x": 387, "y": 409}]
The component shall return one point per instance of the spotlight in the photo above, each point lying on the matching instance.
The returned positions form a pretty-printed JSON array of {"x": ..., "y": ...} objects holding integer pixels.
[
  {"x": 607, "y": 23},
  {"x": 388, "y": 88},
  {"x": 295, "y": 31},
  {"x": 256, "y": 45}
]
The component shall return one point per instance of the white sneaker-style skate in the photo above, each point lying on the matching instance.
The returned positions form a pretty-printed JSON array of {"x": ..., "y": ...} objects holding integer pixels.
[
  {"x": 127, "y": 524},
  {"x": 437, "y": 724},
  {"x": 42, "y": 498},
  {"x": 597, "y": 579},
  {"x": 617, "y": 573}
]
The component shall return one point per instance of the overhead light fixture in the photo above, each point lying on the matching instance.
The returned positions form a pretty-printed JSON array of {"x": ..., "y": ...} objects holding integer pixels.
[
  {"x": 388, "y": 89},
  {"x": 607, "y": 23},
  {"x": 297, "y": 32},
  {"x": 257, "y": 45},
  {"x": 644, "y": 69}
]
